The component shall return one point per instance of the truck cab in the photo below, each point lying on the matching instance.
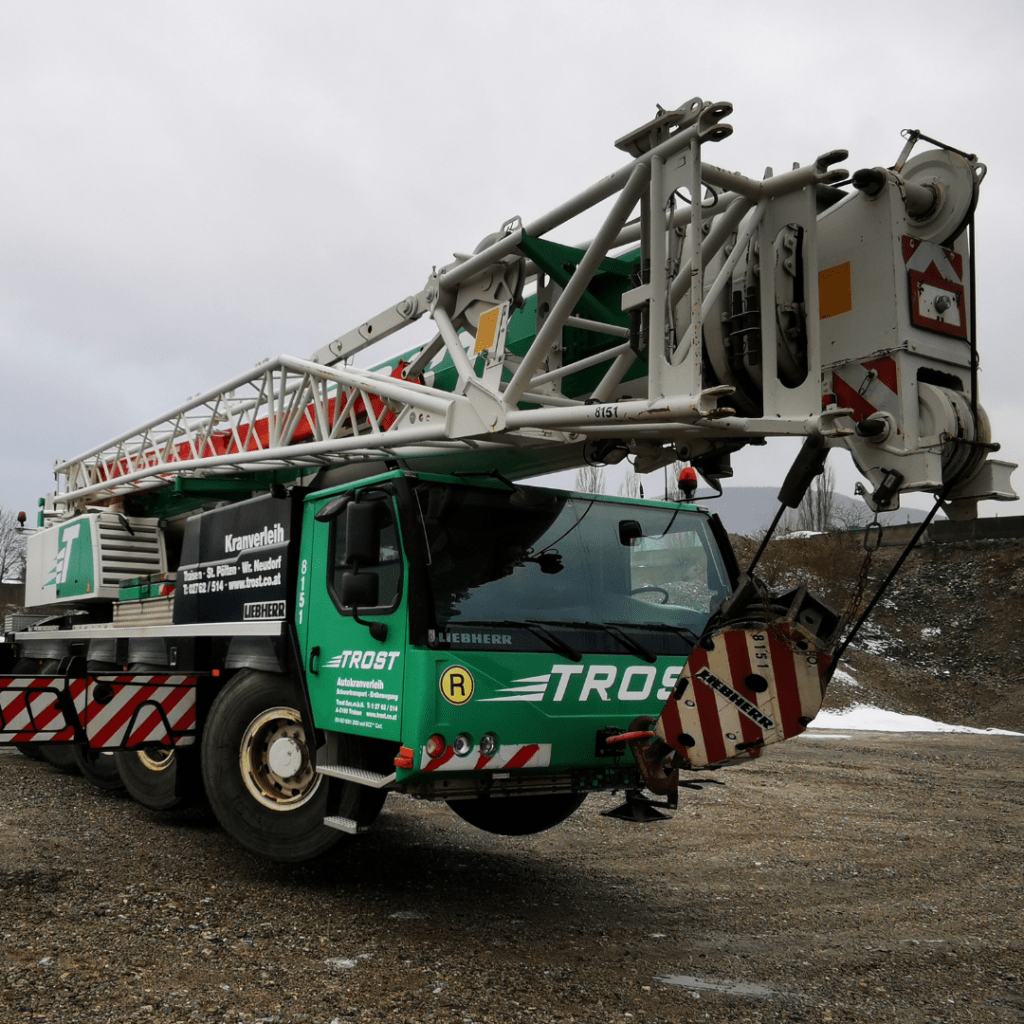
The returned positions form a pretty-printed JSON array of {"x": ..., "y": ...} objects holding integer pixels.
[{"x": 497, "y": 635}]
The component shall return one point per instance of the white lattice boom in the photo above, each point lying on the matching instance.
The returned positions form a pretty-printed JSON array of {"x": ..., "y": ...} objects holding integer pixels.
[{"x": 730, "y": 290}]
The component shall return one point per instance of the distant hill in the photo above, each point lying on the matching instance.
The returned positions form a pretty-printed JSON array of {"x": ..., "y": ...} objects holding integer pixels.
[
  {"x": 748, "y": 511},
  {"x": 944, "y": 643}
]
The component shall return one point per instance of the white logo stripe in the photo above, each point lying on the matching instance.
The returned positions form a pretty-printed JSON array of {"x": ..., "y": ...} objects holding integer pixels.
[{"x": 532, "y": 692}]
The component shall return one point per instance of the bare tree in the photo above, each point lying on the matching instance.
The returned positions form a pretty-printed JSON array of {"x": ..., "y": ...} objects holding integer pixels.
[
  {"x": 816, "y": 511},
  {"x": 850, "y": 516},
  {"x": 590, "y": 479},
  {"x": 672, "y": 480},
  {"x": 12, "y": 548},
  {"x": 631, "y": 486}
]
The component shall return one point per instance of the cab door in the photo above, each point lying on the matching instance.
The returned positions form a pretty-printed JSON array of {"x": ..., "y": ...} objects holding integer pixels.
[{"x": 351, "y": 614}]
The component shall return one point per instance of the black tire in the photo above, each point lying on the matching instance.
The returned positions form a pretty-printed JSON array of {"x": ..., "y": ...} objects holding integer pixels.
[
  {"x": 161, "y": 780},
  {"x": 60, "y": 756},
  {"x": 517, "y": 815},
  {"x": 276, "y": 815},
  {"x": 98, "y": 767},
  {"x": 27, "y": 667}
]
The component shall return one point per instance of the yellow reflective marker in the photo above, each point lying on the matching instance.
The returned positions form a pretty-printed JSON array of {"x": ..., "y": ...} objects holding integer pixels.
[
  {"x": 456, "y": 685},
  {"x": 487, "y": 330},
  {"x": 835, "y": 294}
]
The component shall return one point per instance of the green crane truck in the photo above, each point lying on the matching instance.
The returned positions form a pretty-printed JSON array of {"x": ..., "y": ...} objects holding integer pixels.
[{"x": 316, "y": 584}]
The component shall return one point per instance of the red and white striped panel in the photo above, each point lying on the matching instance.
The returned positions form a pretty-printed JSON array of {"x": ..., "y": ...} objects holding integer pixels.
[
  {"x": 134, "y": 710},
  {"x": 30, "y": 711},
  {"x": 755, "y": 687},
  {"x": 507, "y": 758},
  {"x": 868, "y": 387}
]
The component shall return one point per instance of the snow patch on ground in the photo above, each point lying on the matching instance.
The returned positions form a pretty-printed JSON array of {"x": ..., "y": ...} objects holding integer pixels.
[
  {"x": 844, "y": 678},
  {"x": 864, "y": 718}
]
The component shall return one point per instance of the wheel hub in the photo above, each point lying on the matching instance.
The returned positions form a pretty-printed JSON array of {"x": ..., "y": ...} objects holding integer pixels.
[
  {"x": 275, "y": 761},
  {"x": 285, "y": 757}
]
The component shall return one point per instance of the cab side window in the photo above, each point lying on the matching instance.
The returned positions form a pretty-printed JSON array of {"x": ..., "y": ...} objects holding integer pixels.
[{"x": 387, "y": 567}]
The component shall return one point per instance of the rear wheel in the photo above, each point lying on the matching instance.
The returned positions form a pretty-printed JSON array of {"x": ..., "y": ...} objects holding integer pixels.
[
  {"x": 517, "y": 815},
  {"x": 60, "y": 755},
  {"x": 99, "y": 767},
  {"x": 260, "y": 777},
  {"x": 162, "y": 779},
  {"x": 25, "y": 667}
]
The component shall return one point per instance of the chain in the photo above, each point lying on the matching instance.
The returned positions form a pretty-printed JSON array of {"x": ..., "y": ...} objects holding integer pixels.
[{"x": 853, "y": 607}]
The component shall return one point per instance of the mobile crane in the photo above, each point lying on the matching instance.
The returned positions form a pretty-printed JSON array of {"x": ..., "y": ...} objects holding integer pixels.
[{"x": 317, "y": 583}]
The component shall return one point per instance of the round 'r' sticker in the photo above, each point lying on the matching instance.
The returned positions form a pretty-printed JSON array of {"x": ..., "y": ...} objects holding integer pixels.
[{"x": 456, "y": 684}]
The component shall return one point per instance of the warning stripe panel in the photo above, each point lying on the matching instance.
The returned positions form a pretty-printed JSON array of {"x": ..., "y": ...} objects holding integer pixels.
[
  {"x": 435, "y": 764},
  {"x": 31, "y": 709},
  {"x": 114, "y": 711},
  {"x": 130, "y": 711},
  {"x": 710, "y": 724},
  {"x": 20, "y": 708},
  {"x": 886, "y": 371},
  {"x": 509, "y": 757},
  {"x": 687, "y": 736},
  {"x": 720, "y": 713},
  {"x": 848, "y": 398},
  {"x": 669, "y": 726},
  {"x": 106, "y": 723},
  {"x": 883, "y": 394},
  {"x": 737, "y": 644},
  {"x": 786, "y": 685},
  {"x": 180, "y": 717},
  {"x": 729, "y": 728}
]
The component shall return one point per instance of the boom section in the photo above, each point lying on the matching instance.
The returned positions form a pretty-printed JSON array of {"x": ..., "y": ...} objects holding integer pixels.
[{"x": 708, "y": 311}]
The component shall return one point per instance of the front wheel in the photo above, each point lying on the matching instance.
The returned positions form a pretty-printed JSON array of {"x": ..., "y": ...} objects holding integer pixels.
[
  {"x": 260, "y": 773},
  {"x": 517, "y": 815}
]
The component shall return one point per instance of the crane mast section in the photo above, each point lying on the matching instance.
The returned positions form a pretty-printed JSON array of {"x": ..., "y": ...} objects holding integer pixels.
[{"x": 708, "y": 311}]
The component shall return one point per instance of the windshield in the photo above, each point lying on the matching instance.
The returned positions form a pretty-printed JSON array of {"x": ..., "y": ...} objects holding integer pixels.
[{"x": 535, "y": 556}]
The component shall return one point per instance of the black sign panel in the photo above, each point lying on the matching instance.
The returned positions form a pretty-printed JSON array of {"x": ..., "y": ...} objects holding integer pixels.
[{"x": 237, "y": 564}]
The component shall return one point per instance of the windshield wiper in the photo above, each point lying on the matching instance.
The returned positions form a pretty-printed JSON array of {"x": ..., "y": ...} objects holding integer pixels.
[
  {"x": 685, "y": 632},
  {"x": 630, "y": 643},
  {"x": 554, "y": 642}
]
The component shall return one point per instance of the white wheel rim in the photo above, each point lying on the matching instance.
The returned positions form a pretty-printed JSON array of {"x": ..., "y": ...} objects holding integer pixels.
[
  {"x": 274, "y": 760},
  {"x": 156, "y": 760}
]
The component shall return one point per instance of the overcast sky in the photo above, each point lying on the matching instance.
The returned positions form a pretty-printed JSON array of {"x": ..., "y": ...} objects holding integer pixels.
[{"x": 188, "y": 187}]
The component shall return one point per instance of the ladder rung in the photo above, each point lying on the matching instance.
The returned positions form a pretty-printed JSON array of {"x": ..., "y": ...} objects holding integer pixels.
[
  {"x": 346, "y": 825},
  {"x": 361, "y": 776}
]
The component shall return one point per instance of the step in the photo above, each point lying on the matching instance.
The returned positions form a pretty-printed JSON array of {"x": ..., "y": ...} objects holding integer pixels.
[
  {"x": 361, "y": 776},
  {"x": 353, "y": 828}
]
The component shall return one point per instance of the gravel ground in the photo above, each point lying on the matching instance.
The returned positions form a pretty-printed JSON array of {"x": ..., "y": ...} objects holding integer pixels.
[{"x": 872, "y": 878}]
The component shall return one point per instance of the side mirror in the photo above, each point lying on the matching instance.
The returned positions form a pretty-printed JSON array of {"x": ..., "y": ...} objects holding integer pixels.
[
  {"x": 362, "y": 534},
  {"x": 360, "y": 589}
]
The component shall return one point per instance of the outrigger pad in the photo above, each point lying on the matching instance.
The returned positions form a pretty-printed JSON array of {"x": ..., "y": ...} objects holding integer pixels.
[{"x": 637, "y": 808}]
